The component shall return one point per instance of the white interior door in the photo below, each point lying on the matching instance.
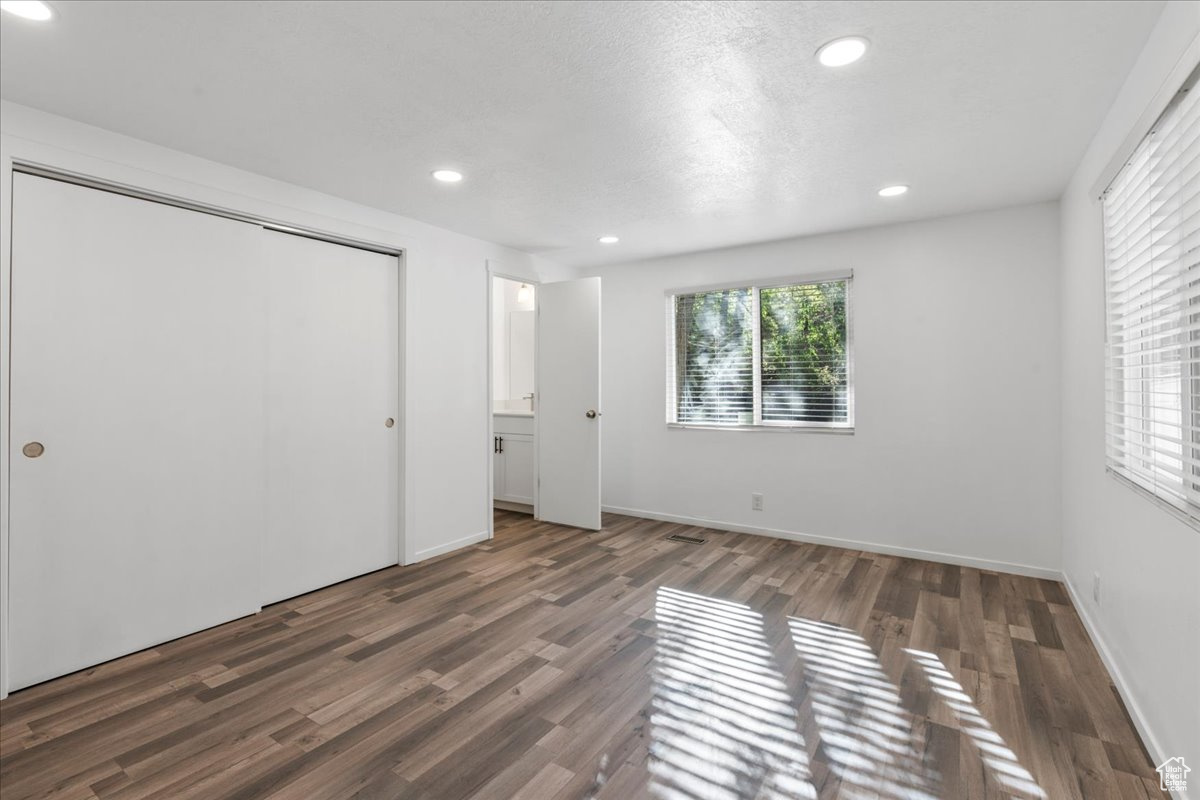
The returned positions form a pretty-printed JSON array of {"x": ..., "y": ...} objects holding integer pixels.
[
  {"x": 568, "y": 402},
  {"x": 138, "y": 340},
  {"x": 332, "y": 385}
]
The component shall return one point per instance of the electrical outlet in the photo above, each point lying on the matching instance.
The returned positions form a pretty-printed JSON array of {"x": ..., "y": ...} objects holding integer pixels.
[
  {"x": 756, "y": 501},
  {"x": 1096, "y": 587}
]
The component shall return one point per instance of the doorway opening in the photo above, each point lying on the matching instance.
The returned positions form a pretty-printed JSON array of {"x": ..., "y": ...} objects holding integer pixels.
[
  {"x": 544, "y": 398},
  {"x": 514, "y": 400}
]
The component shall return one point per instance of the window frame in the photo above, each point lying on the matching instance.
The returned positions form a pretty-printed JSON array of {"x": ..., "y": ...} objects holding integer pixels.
[
  {"x": 760, "y": 425},
  {"x": 1125, "y": 473}
]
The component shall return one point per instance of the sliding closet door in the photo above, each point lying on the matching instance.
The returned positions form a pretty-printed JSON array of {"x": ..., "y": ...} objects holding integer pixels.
[
  {"x": 333, "y": 431},
  {"x": 137, "y": 384}
]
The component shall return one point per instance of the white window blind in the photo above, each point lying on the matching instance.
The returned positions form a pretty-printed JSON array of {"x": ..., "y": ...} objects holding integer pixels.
[
  {"x": 1152, "y": 265},
  {"x": 714, "y": 357},
  {"x": 770, "y": 356}
]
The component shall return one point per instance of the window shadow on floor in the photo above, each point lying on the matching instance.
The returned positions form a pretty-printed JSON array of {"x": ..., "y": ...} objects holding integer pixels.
[{"x": 725, "y": 726}]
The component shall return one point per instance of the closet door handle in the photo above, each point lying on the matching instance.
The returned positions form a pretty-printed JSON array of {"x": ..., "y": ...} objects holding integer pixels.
[
  {"x": 495, "y": 444},
  {"x": 501, "y": 444}
]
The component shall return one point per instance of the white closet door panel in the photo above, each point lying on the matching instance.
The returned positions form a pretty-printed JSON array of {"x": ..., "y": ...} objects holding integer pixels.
[
  {"x": 333, "y": 485},
  {"x": 138, "y": 344}
]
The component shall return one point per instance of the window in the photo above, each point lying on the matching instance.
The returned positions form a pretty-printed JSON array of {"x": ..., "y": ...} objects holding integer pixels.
[
  {"x": 1152, "y": 276},
  {"x": 769, "y": 356}
]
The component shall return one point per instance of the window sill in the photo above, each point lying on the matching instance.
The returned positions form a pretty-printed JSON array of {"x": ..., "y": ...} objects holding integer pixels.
[{"x": 842, "y": 430}]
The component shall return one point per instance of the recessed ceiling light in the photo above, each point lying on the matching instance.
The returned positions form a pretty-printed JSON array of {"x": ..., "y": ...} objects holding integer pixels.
[
  {"x": 841, "y": 52},
  {"x": 447, "y": 175},
  {"x": 29, "y": 9},
  {"x": 608, "y": 240},
  {"x": 893, "y": 191}
]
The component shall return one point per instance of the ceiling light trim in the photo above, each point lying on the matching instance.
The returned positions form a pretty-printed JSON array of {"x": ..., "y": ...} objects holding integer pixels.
[{"x": 843, "y": 51}]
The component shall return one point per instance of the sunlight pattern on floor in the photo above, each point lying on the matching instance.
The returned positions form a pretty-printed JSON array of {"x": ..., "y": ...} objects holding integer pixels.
[
  {"x": 992, "y": 748},
  {"x": 723, "y": 724},
  {"x": 866, "y": 734}
]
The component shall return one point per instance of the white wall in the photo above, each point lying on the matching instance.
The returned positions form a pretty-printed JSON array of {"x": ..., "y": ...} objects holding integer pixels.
[
  {"x": 447, "y": 413},
  {"x": 504, "y": 292},
  {"x": 504, "y": 301},
  {"x": 955, "y": 456},
  {"x": 1148, "y": 622}
]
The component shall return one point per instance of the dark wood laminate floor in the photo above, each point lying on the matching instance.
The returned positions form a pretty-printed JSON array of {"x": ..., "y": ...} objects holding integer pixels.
[{"x": 555, "y": 663}]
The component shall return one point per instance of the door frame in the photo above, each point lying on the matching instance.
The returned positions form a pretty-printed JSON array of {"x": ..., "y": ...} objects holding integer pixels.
[
  {"x": 170, "y": 184},
  {"x": 497, "y": 270}
]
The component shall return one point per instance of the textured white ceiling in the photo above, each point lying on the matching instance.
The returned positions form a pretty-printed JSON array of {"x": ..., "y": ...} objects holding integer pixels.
[{"x": 676, "y": 125}]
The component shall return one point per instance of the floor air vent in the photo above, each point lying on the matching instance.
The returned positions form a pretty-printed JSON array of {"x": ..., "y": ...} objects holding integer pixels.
[{"x": 679, "y": 537}]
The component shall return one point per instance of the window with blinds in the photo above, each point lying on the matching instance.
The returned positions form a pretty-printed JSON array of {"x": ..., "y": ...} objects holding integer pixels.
[
  {"x": 769, "y": 356},
  {"x": 1152, "y": 268}
]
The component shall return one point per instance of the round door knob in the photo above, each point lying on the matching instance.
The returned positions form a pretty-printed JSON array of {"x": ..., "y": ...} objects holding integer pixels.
[
  {"x": 592, "y": 413},
  {"x": 33, "y": 449},
  {"x": 389, "y": 422}
]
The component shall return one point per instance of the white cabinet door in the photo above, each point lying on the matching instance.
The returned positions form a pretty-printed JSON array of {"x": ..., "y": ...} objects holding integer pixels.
[
  {"x": 333, "y": 383},
  {"x": 568, "y": 402},
  {"x": 497, "y": 470},
  {"x": 138, "y": 343},
  {"x": 518, "y": 476}
]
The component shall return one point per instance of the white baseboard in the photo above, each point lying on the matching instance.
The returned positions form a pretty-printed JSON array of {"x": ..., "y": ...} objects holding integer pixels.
[
  {"x": 847, "y": 544},
  {"x": 1123, "y": 686},
  {"x": 466, "y": 541}
]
